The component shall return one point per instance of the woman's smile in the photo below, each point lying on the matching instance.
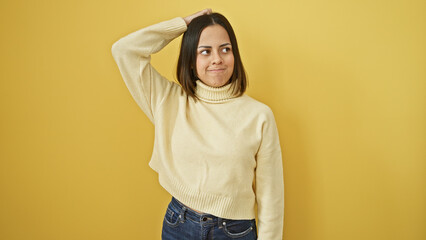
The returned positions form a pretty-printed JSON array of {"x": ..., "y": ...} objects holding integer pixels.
[{"x": 217, "y": 70}]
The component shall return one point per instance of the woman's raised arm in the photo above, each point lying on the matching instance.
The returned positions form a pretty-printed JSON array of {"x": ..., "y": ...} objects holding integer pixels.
[{"x": 132, "y": 53}]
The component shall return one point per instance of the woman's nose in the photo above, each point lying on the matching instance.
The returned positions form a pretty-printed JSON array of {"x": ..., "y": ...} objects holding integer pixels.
[{"x": 217, "y": 59}]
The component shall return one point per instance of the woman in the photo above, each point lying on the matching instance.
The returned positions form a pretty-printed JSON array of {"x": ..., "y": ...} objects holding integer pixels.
[{"x": 216, "y": 150}]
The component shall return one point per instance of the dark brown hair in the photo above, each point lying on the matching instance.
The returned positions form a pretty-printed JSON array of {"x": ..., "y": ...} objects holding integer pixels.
[{"x": 186, "y": 67}]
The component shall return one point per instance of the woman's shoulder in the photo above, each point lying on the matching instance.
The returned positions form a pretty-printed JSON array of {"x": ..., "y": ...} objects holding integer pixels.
[{"x": 256, "y": 105}]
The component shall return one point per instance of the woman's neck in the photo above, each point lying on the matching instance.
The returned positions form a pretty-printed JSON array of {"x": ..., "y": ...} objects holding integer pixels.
[{"x": 214, "y": 94}]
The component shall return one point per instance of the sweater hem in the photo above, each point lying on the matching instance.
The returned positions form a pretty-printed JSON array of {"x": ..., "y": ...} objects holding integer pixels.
[{"x": 220, "y": 206}]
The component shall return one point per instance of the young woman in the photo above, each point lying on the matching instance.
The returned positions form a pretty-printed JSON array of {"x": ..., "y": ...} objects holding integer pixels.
[{"x": 216, "y": 150}]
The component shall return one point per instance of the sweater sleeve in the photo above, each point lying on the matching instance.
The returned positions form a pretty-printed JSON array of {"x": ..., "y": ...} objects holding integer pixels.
[
  {"x": 132, "y": 53},
  {"x": 270, "y": 183}
]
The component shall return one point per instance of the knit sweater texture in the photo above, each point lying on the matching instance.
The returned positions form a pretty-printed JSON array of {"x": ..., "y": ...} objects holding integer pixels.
[{"x": 219, "y": 155}]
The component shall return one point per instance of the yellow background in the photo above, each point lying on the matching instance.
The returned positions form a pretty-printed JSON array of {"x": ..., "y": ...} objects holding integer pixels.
[{"x": 346, "y": 81}]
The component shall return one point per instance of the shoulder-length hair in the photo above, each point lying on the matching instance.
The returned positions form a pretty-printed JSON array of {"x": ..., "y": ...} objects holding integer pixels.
[{"x": 186, "y": 67}]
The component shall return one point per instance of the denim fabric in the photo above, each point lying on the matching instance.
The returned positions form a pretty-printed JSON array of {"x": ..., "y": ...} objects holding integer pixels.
[{"x": 182, "y": 223}]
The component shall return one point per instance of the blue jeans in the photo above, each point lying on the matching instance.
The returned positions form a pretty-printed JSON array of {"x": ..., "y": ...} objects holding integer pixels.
[{"x": 182, "y": 223}]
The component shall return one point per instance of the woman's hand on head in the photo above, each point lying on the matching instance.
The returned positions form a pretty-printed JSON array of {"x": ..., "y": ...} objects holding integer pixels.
[{"x": 189, "y": 18}]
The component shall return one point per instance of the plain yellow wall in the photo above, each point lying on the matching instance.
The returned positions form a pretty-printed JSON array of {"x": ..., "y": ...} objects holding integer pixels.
[{"x": 346, "y": 81}]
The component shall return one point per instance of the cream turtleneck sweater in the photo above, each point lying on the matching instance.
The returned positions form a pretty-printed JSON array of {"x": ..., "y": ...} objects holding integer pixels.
[{"x": 219, "y": 155}]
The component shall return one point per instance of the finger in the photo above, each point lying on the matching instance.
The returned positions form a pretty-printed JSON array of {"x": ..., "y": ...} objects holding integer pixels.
[
  {"x": 199, "y": 13},
  {"x": 206, "y": 11}
]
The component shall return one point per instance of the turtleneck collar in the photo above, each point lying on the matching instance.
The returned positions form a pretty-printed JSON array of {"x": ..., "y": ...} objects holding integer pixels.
[{"x": 214, "y": 94}]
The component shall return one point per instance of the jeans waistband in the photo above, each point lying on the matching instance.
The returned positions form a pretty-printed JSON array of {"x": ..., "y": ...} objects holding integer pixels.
[{"x": 195, "y": 216}]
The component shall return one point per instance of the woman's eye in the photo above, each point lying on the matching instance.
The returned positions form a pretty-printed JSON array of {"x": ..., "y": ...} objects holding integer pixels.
[
  {"x": 204, "y": 52},
  {"x": 226, "y": 50}
]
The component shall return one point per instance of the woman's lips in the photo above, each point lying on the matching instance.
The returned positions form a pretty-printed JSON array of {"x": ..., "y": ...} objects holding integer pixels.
[{"x": 216, "y": 70}]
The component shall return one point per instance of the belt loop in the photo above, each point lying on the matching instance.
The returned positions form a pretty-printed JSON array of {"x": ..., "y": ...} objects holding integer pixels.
[
  {"x": 220, "y": 222},
  {"x": 182, "y": 214}
]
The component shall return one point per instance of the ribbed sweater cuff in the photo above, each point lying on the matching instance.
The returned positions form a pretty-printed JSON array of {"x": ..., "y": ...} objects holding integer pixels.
[{"x": 174, "y": 27}]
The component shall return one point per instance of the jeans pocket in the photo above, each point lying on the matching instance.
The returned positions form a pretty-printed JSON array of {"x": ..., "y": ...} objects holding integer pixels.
[
  {"x": 172, "y": 217},
  {"x": 238, "y": 228}
]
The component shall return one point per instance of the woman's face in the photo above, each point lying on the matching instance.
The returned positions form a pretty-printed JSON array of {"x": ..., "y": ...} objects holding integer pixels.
[{"x": 215, "y": 60}]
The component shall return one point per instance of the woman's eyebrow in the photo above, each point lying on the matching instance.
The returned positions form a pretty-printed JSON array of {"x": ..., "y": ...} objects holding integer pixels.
[{"x": 211, "y": 47}]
